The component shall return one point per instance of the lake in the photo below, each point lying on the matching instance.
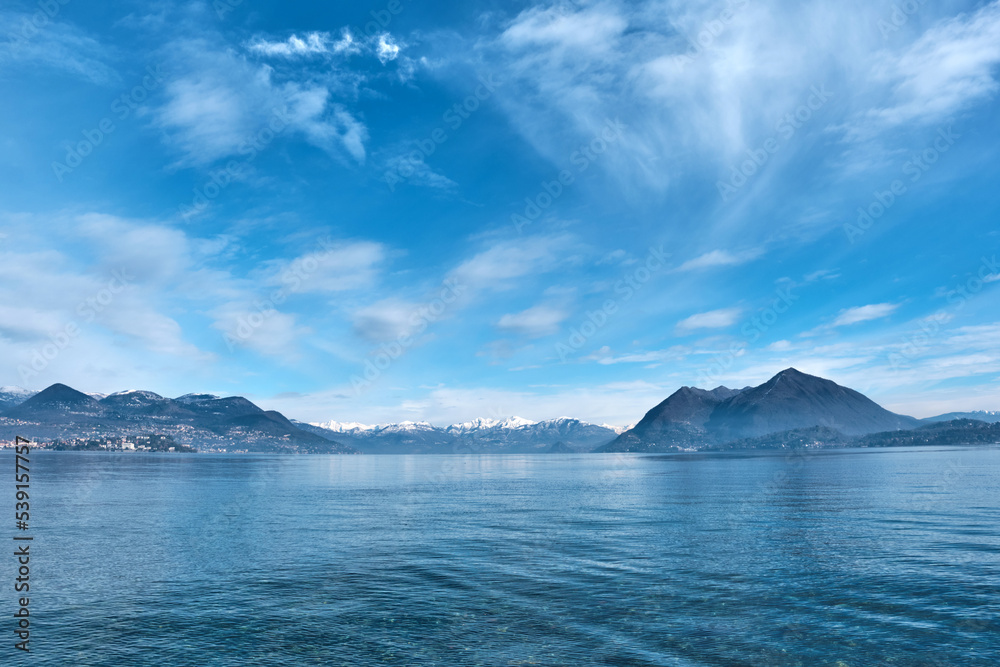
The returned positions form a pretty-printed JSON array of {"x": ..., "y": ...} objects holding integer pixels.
[{"x": 844, "y": 558}]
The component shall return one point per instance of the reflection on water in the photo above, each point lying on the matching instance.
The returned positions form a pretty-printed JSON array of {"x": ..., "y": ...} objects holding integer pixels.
[{"x": 838, "y": 558}]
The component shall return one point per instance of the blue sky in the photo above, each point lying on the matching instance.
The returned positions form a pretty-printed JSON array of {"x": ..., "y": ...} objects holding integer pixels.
[{"x": 399, "y": 210}]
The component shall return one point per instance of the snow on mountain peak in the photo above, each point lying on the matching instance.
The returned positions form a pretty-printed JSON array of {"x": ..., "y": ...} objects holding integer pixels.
[
  {"x": 343, "y": 427},
  {"x": 515, "y": 422},
  {"x": 406, "y": 426},
  {"x": 196, "y": 398},
  {"x": 486, "y": 423},
  {"x": 139, "y": 393},
  {"x": 480, "y": 425},
  {"x": 474, "y": 425}
]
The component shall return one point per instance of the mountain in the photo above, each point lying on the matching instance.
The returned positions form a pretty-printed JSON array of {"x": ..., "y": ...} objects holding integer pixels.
[
  {"x": 55, "y": 402},
  {"x": 575, "y": 435},
  {"x": 199, "y": 420},
  {"x": 791, "y": 410},
  {"x": 276, "y": 425},
  {"x": 487, "y": 425},
  {"x": 988, "y": 416},
  {"x": 789, "y": 403},
  {"x": 188, "y": 399},
  {"x": 402, "y": 438},
  {"x": 794, "y": 400},
  {"x": 954, "y": 432},
  {"x": 343, "y": 427},
  {"x": 523, "y": 436},
  {"x": 484, "y": 436},
  {"x": 11, "y": 396},
  {"x": 677, "y": 422},
  {"x": 814, "y": 436},
  {"x": 128, "y": 404}
]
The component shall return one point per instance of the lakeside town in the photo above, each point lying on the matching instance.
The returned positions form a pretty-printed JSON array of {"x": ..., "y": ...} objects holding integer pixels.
[{"x": 152, "y": 442}]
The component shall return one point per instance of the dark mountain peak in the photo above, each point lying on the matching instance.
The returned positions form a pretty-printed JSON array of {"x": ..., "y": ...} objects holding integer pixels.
[
  {"x": 60, "y": 394},
  {"x": 796, "y": 400},
  {"x": 793, "y": 377},
  {"x": 221, "y": 409},
  {"x": 722, "y": 392},
  {"x": 56, "y": 398},
  {"x": 792, "y": 403},
  {"x": 144, "y": 403}
]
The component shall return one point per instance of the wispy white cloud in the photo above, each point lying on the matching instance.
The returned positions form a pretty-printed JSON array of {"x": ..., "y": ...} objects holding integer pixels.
[
  {"x": 534, "y": 322},
  {"x": 675, "y": 353},
  {"x": 112, "y": 292},
  {"x": 334, "y": 267},
  {"x": 569, "y": 33},
  {"x": 720, "y": 258},
  {"x": 56, "y": 45},
  {"x": 875, "y": 311},
  {"x": 219, "y": 103},
  {"x": 570, "y": 67},
  {"x": 821, "y": 274},
  {"x": 507, "y": 261},
  {"x": 386, "y": 319},
  {"x": 411, "y": 168},
  {"x": 951, "y": 66},
  {"x": 614, "y": 403},
  {"x": 713, "y": 319}
]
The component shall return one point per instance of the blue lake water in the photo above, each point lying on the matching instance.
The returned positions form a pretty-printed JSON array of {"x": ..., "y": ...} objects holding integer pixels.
[{"x": 842, "y": 558}]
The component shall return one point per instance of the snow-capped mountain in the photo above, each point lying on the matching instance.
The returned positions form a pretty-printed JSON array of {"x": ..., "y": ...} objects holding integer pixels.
[
  {"x": 484, "y": 435},
  {"x": 405, "y": 427},
  {"x": 188, "y": 399},
  {"x": 132, "y": 398},
  {"x": 343, "y": 427},
  {"x": 11, "y": 396},
  {"x": 402, "y": 438},
  {"x": 358, "y": 427},
  {"x": 487, "y": 424}
]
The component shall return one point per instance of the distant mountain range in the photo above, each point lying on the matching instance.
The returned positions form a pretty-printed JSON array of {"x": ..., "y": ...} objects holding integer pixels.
[
  {"x": 11, "y": 396},
  {"x": 511, "y": 435},
  {"x": 989, "y": 416},
  {"x": 790, "y": 410},
  {"x": 198, "y": 420}
]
